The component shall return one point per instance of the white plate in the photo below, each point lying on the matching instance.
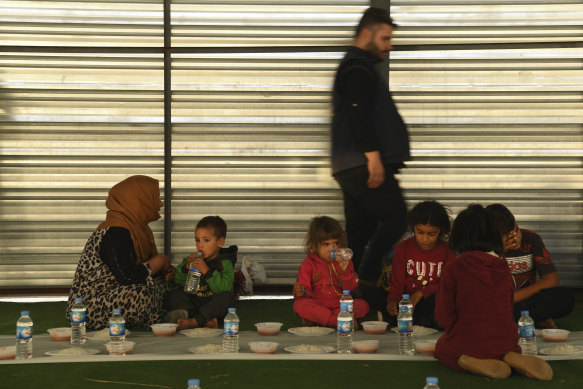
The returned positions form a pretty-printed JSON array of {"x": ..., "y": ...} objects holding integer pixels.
[
  {"x": 561, "y": 350},
  {"x": 320, "y": 350},
  {"x": 311, "y": 331},
  {"x": 201, "y": 350},
  {"x": 418, "y": 330},
  {"x": 103, "y": 335},
  {"x": 59, "y": 353},
  {"x": 203, "y": 332}
]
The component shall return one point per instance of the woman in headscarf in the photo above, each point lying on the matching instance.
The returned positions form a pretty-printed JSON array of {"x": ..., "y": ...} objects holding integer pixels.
[{"x": 120, "y": 266}]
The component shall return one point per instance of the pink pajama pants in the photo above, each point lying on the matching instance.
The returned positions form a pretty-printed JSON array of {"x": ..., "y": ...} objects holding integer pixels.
[{"x": 324, "y": 312}]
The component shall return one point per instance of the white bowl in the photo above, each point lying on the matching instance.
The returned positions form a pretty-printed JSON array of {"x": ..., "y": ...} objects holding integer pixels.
[
  {"x": 164, "y": 329},
  {"x": 374, "y": 327},
  {"x": 268, "y": 328},
  {"x": 8, "y": 352},
  {"x": 60, "y": 334},
  {"x": 263, "y": 347},
  {"x": 555, "y": 335},
  {"x": 425, "y": 346},
  {"x": 365, "y": 346},
  {"x": 128, "y": 343}
]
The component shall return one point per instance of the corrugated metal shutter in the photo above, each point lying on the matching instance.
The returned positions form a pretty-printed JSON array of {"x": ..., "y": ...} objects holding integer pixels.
[
  {"x": 251, "y": 122},
  {"x": 79, "y": 113},
  {"x": 492, "y": 92}
]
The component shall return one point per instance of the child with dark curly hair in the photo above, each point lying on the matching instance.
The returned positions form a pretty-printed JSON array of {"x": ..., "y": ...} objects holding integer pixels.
[{"x": 418, "y": 262}]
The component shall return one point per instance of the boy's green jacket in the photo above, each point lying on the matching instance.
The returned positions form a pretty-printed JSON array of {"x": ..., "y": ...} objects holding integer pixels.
[{"x": 220, "y": 276}]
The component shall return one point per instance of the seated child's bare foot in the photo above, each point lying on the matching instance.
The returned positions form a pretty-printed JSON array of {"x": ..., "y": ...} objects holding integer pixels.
[
  {"x": 212, "y": 323},
  {"x": 548, "y": 323},
  {"x": 184, "y": 324}
]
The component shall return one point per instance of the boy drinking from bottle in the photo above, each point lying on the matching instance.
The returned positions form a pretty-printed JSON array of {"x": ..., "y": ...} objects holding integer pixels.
[{"x": 208, "y": 305}]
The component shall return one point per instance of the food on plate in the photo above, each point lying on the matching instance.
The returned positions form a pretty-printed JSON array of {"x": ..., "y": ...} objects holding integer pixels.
[
  {"x": 202, "y": 332},
  {"x": 310, "y": 348},
  {"x": 564, "y": 349},
  {"x": 311, "y": 331},
  {"x": 72, "y": 351},
  {"x": 207, "y": 348}
]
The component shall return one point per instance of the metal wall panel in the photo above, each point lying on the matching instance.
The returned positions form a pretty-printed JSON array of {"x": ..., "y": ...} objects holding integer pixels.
[
  {"x": 492, "y": 95},
  {"x": 491, "y": 90},
  {"x": 77, "y": 116}
]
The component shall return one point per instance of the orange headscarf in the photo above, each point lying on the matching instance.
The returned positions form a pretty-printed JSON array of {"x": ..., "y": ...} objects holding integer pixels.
[{"x": 132, "y": 204}]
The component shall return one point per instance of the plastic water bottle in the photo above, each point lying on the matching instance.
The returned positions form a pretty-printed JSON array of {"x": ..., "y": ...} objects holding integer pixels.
[
  {"x": 341, "y": 254},
  {"x": 231, "y": 332},
  {"x": 117, "y": 333},
  {"x": 527, "y": 340},
  {"x": 192, "y": 281},
  {"x": 405, "y": 326},
  {"x": 431, "y": 383},
  {"x": 193, "y": 383},
  {"x": 24, "y": 329},
  {"x": 78, "y": 318},
  {"x": 347, "y": 301},
  {"x": 344, "y": 330},
  {"x": 406, "y": 302}
]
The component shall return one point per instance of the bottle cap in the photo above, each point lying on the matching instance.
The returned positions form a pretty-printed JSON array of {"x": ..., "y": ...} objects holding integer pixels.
[
  {"x": 117, "y": 310},
  {"x": 405, "y": 296},
  {"x": 431, "y": 380},
  {"x": 524, "y": 312},
  {"x": 333, "y": 254},
  {"x": 346, "y": 291},
  {"x": 193, "y": 381},
  {"x": 25, "y": 313},
  {"x": 232, "y": 309},
  {"x": 78, "y": 299}
]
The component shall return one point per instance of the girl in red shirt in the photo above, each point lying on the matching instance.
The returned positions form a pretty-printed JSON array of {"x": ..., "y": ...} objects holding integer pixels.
[
  {"x": 418, "y": 262},
  {"x": 321, "y": 280},
  {"x": 474, "y": 304}
]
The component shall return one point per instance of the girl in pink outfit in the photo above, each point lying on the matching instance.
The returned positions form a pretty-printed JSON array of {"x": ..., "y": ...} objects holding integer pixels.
[
  {"x": 418, "y": 262},
  {"x": 321, "y": 279}
]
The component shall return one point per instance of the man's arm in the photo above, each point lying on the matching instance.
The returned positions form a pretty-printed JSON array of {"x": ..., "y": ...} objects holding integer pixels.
[{"x": 549, "y": 280}]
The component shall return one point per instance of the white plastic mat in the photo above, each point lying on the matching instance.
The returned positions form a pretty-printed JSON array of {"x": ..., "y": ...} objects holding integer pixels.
[{"x": 150, "y": 347}]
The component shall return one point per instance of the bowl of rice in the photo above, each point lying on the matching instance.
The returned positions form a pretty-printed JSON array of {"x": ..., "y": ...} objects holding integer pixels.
[
  {"x": 129, "y": 345},
  {"x": 365, "y": 346},
  {"x": 555, "y": 335},
  {"x": 8, "y": 352},
  {"x": 263, "y": 347},
  {"x": 60, "y": 334},
  {"x": 374, "y": 327},
  {"x": 268, "y": 328}
]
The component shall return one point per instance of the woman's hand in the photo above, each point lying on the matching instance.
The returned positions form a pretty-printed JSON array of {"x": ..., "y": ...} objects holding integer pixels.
[
  {"x": 170, "y": 274},
  {"x": 159, "y": 263}
]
